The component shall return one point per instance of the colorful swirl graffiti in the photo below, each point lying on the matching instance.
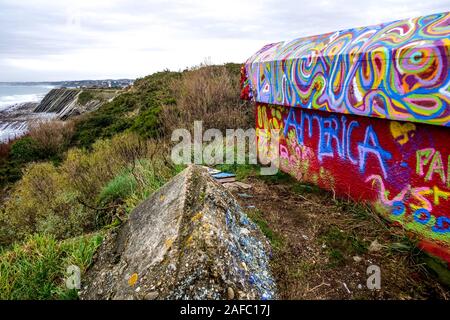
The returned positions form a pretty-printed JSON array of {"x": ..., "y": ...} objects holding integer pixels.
[{"x": 396, "y": 70}]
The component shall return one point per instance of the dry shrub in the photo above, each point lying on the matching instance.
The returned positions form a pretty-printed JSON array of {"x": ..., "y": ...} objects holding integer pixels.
[
  {"x": 41, "y": 202},
  {"x": 64, "y": 200},
  {"x": 52, "y": 136},
  {"x": 210, "y": 94},
  {"x": 90, "y": 171},
  {"x": 5, "y": 148}
]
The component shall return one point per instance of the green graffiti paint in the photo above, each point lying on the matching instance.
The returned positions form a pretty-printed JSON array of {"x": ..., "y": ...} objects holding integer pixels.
[
  {"x": 423, "y": 157},
  {"x": 448, "y": 172},
  {"x": 436, "y": 166}
]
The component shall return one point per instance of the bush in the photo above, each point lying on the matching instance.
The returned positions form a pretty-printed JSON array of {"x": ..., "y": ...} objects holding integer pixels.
[
  {"x": 36, "y": 268},
  {"x": 46, "y": 140},
  {"x": 25, "y": 149},
  {"x": 85, "y": 96},
  {"x": 80, "y": 195},
  {"x": 210, "y": 94},
  {"x": 43, "y": 201},
  {"x": 119, "y": 188},
  {"x": 136, "y": 110},
  {"x": 52, "y": 137},
  {"x": 5, "y": 149},
  {"x": 89, "y": 172},
  {"x": 164, "y": 101}
]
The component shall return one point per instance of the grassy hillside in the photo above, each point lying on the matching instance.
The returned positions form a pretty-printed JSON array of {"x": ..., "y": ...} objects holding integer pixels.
[
  {"x": 152, "y": 108},
  {"x": 68, "y": 179}
]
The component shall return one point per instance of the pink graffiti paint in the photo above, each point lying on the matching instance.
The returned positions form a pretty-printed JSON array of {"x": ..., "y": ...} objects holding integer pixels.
[
  {"x": 365, "y": 112},
  {"x": 364, "y": 158}
]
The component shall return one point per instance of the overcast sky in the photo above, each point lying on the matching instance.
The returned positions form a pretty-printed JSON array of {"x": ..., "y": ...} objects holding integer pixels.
[{"x": 43, "y": 40}]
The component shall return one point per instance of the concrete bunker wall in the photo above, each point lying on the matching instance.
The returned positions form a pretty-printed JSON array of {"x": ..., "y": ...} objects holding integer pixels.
[
  {"x": 401, "y": 168},
  {"x": 365, "y": 112}
]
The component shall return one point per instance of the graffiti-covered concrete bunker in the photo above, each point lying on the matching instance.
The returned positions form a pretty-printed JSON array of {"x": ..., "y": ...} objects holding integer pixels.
[{"x": 365, "y": 112}]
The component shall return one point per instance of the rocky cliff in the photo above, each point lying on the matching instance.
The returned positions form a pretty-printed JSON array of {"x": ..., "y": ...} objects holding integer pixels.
[
  {"x": 66, "y": 102},
  {"x": 189, "y": 240},
  {"x": 59, "y": 103}
]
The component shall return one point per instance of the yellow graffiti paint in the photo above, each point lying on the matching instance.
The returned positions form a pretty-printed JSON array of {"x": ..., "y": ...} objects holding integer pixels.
[
  {"x": 402, "y": 131},
  {"x": 438, "y": 193}
]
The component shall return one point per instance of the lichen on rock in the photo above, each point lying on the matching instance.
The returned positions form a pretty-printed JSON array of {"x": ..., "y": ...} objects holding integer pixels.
[{"x": 189, "y": 240}]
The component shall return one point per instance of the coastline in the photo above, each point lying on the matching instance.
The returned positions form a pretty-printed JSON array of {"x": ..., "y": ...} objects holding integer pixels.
[
  {"x": 14, "y": 121},
  {"x": 17, "y": 105}
]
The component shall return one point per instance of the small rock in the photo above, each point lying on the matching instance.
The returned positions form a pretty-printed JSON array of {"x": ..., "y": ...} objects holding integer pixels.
[
  {"x": 346, "y": 288},
  {"x": 359, "y": 286},
  {"x": 357, "y": 259},
  {"x": 375, "y": 246},
  {"x": 151, "y": 295},
  {"x": 243, "y": 185},
  {"x": 230, "y": 186},
  {"x": 230, "y": 293},
  {"x": 171, "y": 267},
  {"x": 245, "y": 195},
  {"x": 305, "y": 237}
]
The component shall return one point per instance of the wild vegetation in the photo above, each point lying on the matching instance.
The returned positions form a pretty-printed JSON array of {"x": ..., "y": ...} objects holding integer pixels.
[
  {"x": 36, "y": 268},
  {"x": 85, "y": 175},
  {"x": 66, "y": 183}
]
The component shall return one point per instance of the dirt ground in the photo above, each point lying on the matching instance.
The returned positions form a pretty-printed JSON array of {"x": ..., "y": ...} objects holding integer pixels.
[{"x": 322, "y": 246}]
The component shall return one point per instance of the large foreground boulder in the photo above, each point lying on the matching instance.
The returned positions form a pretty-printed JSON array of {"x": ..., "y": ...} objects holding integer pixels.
[{"x": 189, "y": 240}]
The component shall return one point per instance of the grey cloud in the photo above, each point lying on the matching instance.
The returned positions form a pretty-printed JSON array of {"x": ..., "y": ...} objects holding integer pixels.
[{"x": 41, "y": 29}]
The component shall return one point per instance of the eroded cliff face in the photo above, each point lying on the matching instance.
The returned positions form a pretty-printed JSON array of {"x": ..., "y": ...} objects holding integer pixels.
[
  {"x": 65, "y": 103},
  {"x": 61, "y": 103}
]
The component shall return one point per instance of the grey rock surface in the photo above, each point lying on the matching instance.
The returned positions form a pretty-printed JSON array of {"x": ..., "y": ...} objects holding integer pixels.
[
  {"x": 64, "y": 102},
  {"x": 189, "y": 240}
]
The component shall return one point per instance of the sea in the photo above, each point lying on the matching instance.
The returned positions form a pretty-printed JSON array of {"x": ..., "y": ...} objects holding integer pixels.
[{"x": 12, "y": 96}]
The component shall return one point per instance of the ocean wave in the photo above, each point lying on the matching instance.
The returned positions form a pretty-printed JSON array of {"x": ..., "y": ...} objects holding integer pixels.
[{"x": 8, "y": 101}]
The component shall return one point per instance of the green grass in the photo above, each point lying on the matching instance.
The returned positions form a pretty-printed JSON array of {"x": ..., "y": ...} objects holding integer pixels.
[
  {"x": 275, "y": 239},
  {"x": 359, "y": 210},
  {"x": 279, "y": 177},
  {"x": 85, "y": 96},
  {"x": 120, "y": 187},
  {"x": 137, "y": 110},
  {"x": 35, "y": 269},
  {"x": 242, "y": 171},
  {"x": 302, "y": 188},
  {"x": 437, "y": 267},
  {"x": 341, "y": 245},
  {"x": 302, "y": 270}
]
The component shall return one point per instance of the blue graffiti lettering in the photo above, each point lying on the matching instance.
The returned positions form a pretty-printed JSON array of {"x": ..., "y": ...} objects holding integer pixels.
[
  {"x": 422, "y": 215},
  {"x": 332, "y": 142},
  {"x": 353, "y": 124},
  {"x": 371, "y": 145},
  {"x": 328, "y": 133},
  {"x": 440, "y": 225},
  {"x": 398, "y": 208}
]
